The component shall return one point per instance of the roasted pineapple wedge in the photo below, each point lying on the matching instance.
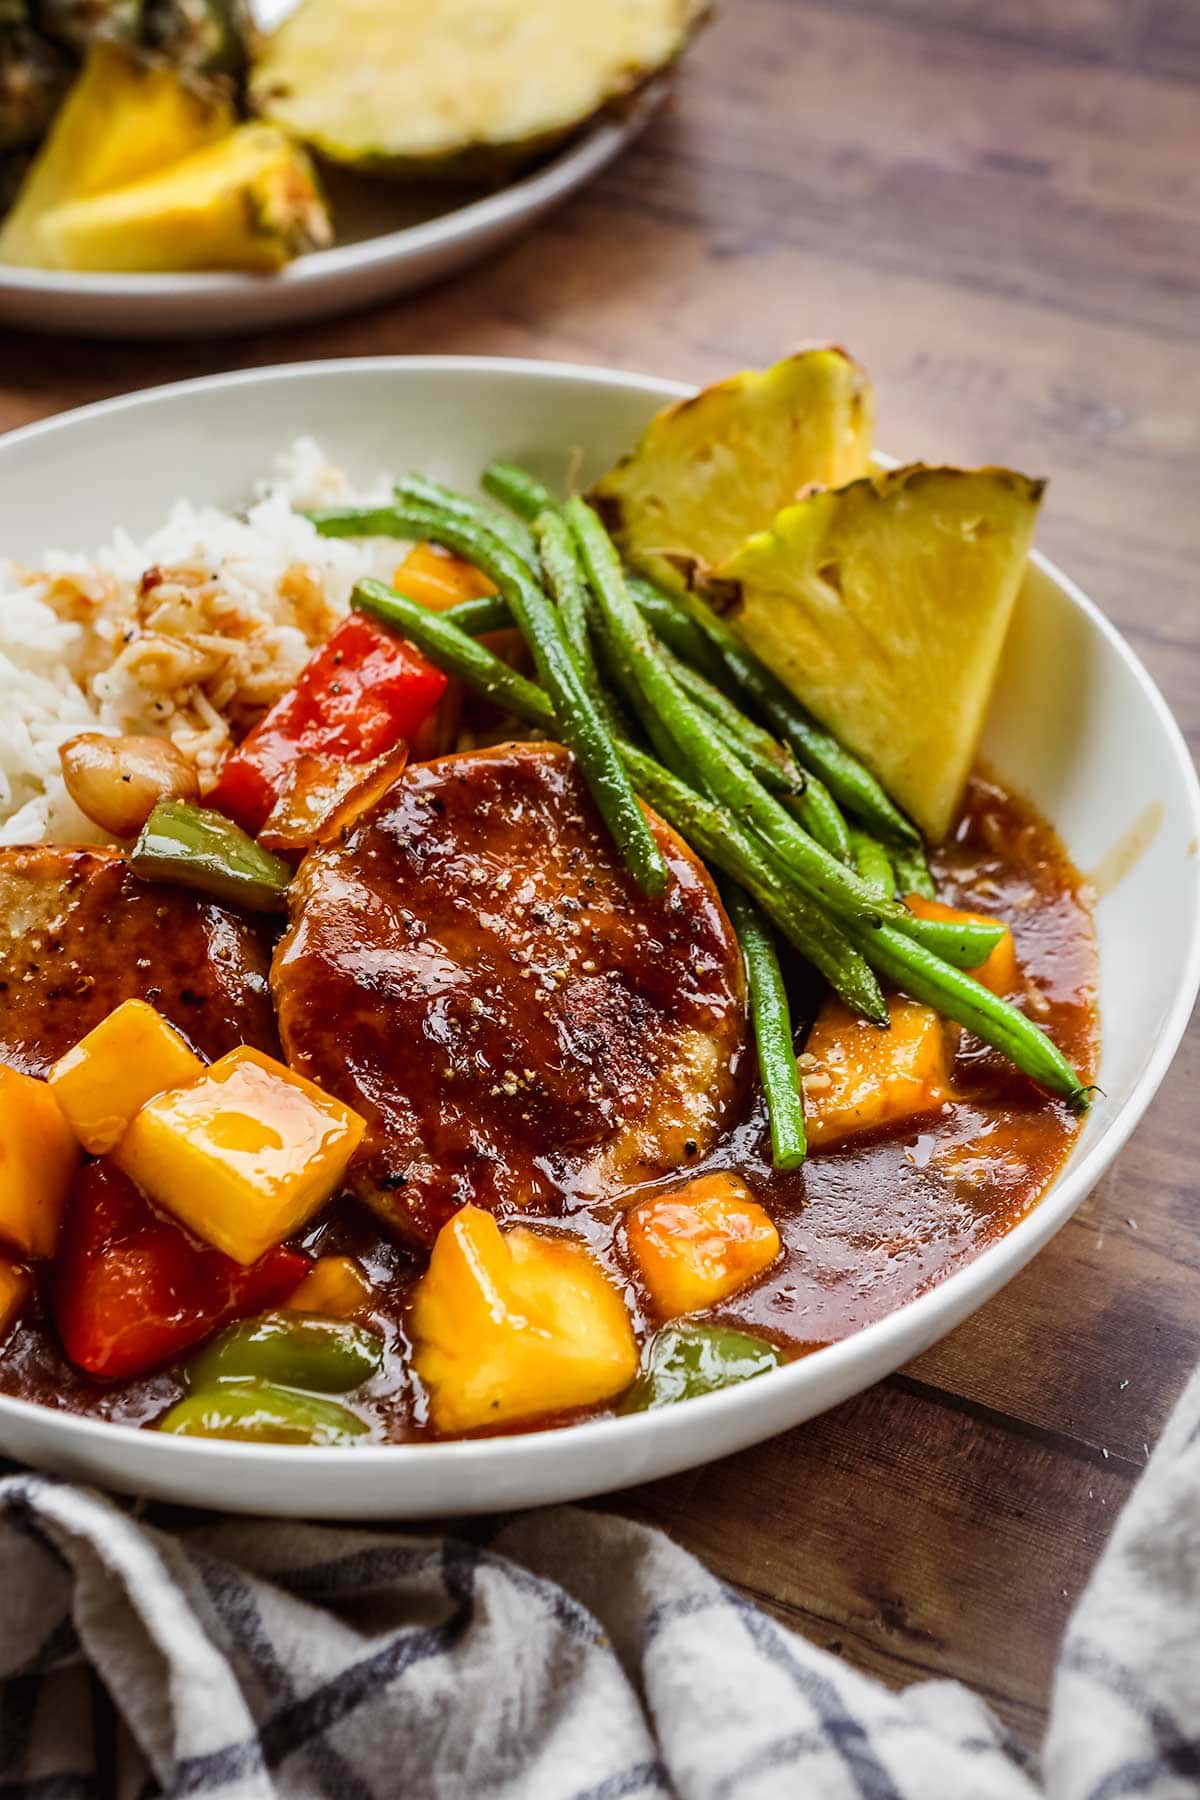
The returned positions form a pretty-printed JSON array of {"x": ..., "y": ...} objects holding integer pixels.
[
  {"x": 124, "y": 119},
  {"x": 439, "y": 88},
  {"x": 710, "y": 470},
  {"x": 884, "y": 607},
  {"x": 248, "y": 202}
]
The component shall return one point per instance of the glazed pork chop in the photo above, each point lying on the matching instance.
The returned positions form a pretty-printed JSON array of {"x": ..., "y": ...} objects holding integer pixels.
[
  {"x": 80, "y": 934},
  {"x": 474, "y": 971}
]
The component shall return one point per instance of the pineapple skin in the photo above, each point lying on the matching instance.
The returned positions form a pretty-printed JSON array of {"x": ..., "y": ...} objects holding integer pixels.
[
  {"x": 710, "y": 470},
  {"x": 884, "y": 608}
]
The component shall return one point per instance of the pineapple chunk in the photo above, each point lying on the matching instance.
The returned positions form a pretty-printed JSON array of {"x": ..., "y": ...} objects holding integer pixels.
[
  {"x": 510, "y": 1325},
  {"x": 708, "y": 471},
  {"x": 998, "y": 970},
  {"x": 436, "y": 88},
  {"x": 124, "y": 118},
  {"x": 16, "y": 1285},
  {"x": 862, "y": 1078},
  {"x": 884, "y": 608},
  {"x": 696, "y": 1246},
  {"x": 438, "y": 580},
  {"x": 39, "y": 1156},
  {"x": 124, "y": 1061},
  {"x": 244, "y": 1156},
  {"x": 249, "y": 202},
  {"x": 336, "y": 1286}
]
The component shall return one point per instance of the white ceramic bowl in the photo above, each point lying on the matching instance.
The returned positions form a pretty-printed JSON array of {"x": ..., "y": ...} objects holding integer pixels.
[
  {"x": 1076, "y": 724},
  {"x": 389, "y": 242}
]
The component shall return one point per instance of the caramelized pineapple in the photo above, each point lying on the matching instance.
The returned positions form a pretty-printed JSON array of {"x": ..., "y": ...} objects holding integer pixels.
[
  {"x": 16, "y": 1288},
  {"x": 860, "y": 1078},
  {"x": 39, "y": 1158},
  {"x": 248, "y": 202},
  {"x": 510, "y": 1325},
  {"x": 335, "y": 1286},
  {"x": 127, "y": 1059},
  {"x": 708, "y": 471},
  {"x": 884, "y": 607},
  {"x": 998, "y": 970},
  {"x": 699, "y": 1244}
]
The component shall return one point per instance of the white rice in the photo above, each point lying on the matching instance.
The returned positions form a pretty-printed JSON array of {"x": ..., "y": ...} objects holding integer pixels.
[{"x": 189, "y": 635}]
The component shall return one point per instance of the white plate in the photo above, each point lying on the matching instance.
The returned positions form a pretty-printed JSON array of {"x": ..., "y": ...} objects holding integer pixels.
[
  {"x": 393, "y": 242},
  {"x": 1076, "y": 724}
]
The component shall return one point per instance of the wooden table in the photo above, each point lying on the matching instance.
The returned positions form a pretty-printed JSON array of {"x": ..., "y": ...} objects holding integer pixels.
[{"x": 997, "y": 207}]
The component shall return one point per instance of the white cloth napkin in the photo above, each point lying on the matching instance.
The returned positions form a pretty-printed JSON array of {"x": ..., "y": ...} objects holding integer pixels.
[{"x": 559, "y": 1655}]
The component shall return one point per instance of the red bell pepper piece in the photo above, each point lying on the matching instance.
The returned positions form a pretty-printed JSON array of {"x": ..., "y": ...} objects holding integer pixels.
[
  {"x": 361, "y": 694},
  {"x": 132, "y": 1289}
]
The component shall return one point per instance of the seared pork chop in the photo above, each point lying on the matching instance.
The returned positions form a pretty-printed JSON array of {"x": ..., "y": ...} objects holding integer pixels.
[
  {"x": 79, "y": 933},
  {"x": 473, "y": 969}
]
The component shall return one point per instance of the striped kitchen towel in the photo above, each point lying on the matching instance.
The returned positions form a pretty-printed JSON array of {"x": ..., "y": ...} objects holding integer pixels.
[{"x": 560, "y": 1655}]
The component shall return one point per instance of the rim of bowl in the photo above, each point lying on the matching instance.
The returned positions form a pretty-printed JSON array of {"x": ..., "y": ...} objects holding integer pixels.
[
  {"x": 570, "y": 168},
  {"x": 872, "y": 1342}
]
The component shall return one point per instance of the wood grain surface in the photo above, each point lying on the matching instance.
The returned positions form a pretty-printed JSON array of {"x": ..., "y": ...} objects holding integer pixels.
[{"x": 996, "y": 205}]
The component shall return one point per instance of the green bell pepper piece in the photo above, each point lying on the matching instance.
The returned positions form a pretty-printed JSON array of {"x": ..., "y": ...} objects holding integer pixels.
[
  {"x": 681, "y": 1362},
  {"x": 255, "y": 1412},
  {"x": 193, "y": 846},
  {"x": 295, "y": 1349}
]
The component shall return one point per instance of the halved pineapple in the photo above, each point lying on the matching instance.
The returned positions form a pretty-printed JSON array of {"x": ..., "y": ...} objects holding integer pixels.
[
  {"x": 884, "y": 608},
  {"x": 249, "y": 202},
  {"x": 708, "y": 471},
  {"x": 123, "y": 119},
  {"x": 442, "y": 88}
]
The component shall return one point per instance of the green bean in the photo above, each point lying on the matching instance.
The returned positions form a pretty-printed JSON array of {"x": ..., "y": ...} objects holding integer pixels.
[
  {"x": 580, "y": 724},
  {"x": 849, "y": 780},
  {"x": 822, "y": 818},
  {"x": 872, "y": 862},
  {"x": 912, "y": 871},
  {"x": 829, "y": 882},
  {"x": 258, "y": 1412},
  {"x": 712, "y": 832},
  {"x": 768, "y": 760},
  {"x": 303, "y": 1350},
  {"x": 517, "y": 488},
  {"x": 965, "y": 942},
  {"x": 450, "y": 648},
  {"x": 193, "y": 846},
  {"x": 566, "y": 584},
  {"x": 959, "y": 997},
  {"x": 418, "y": 490},
  {"x": 676, "y": 630},
  {"x": 716, "y": 836},
  {"x": 488, "y": 613},
  {"x": 360, "y": 521},
  {"x": 772, "y": 1021},
  {"x": 682, "y": 1362},
  {"x": 766, "y": 770},
  {"x": 773, "y": 765},
  {"x": 671, "y": 625}
]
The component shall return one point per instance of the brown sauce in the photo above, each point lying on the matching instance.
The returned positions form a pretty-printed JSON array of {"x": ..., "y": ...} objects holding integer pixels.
[{"x": 865, "y": 1226}]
